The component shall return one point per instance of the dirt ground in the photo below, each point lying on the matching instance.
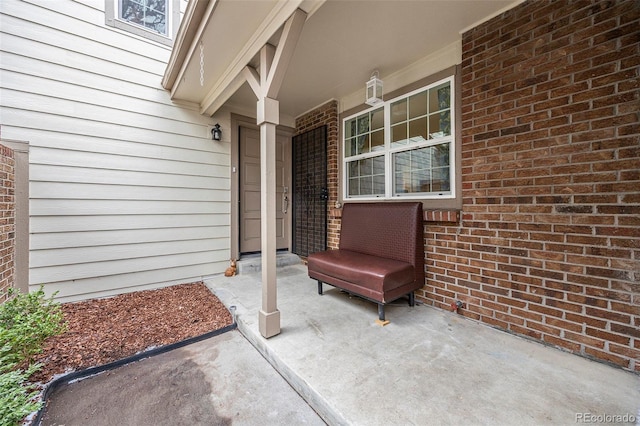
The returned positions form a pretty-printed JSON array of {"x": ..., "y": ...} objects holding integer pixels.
[{"x": 105, "y": 330}]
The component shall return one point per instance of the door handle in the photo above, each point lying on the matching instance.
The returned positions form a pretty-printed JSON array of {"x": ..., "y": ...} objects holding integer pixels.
[
  {"x": 324, "y": 194},
  {"x": 285, "y": 204}
]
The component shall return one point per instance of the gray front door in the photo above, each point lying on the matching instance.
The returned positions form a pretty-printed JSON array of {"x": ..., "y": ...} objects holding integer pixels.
[{"x": 250, "y": 191}]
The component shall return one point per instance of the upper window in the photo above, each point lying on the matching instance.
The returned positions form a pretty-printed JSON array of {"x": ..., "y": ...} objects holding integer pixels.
[
  {"x": 149, "y": 14},
  {"x": 153, "y": 19},
  {"x": 403, "y": 149}
]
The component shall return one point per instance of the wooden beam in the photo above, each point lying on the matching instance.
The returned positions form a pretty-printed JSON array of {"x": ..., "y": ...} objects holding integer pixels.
[
  {"x": 267, "y": 55},
  {"x": 224, "y": 95},
  {"x": 253, "y": 78},
  {"x": 219, "y": 93},
  {"x": 284, "y": 52}
]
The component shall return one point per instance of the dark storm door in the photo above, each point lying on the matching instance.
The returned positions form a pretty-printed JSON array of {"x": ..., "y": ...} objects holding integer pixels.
[{"x": 310, "y": 192}]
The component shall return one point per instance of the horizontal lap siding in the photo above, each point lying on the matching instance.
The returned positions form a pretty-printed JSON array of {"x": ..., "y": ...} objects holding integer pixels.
[
  {"x": 127, "y": 191},
  {"x": 548, "y": 242}
]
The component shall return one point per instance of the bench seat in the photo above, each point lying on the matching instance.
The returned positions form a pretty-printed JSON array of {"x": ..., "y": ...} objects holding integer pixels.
[
  {"x": 380, "y": 255},
  {"x": 372, "y": 277}
]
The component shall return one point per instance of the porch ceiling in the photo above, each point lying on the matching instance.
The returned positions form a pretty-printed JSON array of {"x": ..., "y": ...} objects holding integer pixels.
[{"x": 342, "y": 43}]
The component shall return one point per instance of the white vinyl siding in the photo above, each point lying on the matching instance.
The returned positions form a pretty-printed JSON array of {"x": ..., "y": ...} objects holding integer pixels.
[{"x": 127, "y": 190}]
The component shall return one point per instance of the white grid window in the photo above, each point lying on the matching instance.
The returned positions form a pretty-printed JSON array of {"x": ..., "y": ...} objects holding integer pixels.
[
  {"x": 404, "y": 148},
  {"x": 149, "y": 14},
  {"x": 156, "y": 20}
]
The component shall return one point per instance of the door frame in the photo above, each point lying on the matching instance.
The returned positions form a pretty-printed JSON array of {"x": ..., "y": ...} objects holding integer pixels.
[{"x": 237, "y": 121}]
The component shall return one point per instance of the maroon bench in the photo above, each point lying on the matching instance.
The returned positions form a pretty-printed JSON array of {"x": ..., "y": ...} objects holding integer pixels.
[{"x": 380, "y": 256}]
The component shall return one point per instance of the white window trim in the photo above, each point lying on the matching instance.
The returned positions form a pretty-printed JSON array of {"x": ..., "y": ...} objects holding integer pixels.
[
  {"x": 388, "y": 151},
  {"x": 112, "y": 19}
]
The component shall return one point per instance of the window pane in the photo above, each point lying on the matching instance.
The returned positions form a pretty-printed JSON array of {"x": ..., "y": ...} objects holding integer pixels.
[
  {"x": 358, "y": 134},
  {"x": 399, "y": 111},
  {"x": 378, "y": 165},
  {"x": 399, "y": 134},
  {"x": 363, "y": 144},
  {"x": 366, "y": 176},
  {"x": 354, "y": 188},
  {"x": 350, "y": 128},
  {"x": 440, "y": 181},
  {"x": 420, "y": 181},
  {"x": 440, "y": 97},
  {"x": 354, "y": 169},
  {"x": 377, "y": 119},
  {"x": 363, "y": 124},
  {"x": 377, "y": 140},
  {"x": 420, "y": 158},
  {"x": 418, "y": 105},
  {"x": 378, "y": 184},
  {"x": 422, "y": 170},
  {"x": 366, "y": 167},
  {"x": 402, "y": 161},
  {"x": 366, "y": 185},
  {"x": 441, "y": 155},
  {"x": 399, "y": 186},
  {"x": 440, "y": 124},
  {"x": 349, "y": 147},
  {"x": 418, "y": 130},
  {"x": 150, "y": 14}
]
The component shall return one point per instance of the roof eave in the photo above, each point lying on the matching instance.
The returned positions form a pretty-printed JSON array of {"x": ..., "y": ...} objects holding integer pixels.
[{"x": 196, "y": 13}]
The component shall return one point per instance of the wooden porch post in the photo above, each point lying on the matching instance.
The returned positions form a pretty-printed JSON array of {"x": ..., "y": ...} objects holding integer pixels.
[
  {"x": 266, "y": 85},
  {"x": 268, "y": 119}
]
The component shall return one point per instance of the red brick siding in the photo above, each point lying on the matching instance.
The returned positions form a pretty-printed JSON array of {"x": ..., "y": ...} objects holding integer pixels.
[
  {"x": 7, "y": 220},
  {"x": 327, "y": 114},
  {"x": 548, "y": 246}
]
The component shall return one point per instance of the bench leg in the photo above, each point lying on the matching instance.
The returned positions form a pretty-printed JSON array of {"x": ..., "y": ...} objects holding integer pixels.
[
  {"x": 381, "y": 312},
  {"x": 412, "y": 299},
  {"x": 319, "y": 287}
]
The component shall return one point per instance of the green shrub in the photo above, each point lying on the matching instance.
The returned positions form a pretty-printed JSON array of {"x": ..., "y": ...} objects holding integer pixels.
[
  {"x": 17, "y": 396},
  {"x": 26, "y": 320}
]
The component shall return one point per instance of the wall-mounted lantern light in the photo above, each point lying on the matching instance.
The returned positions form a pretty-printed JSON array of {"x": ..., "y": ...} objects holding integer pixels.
[
  {"x": 374, "y": 90},
  {"x": 216, "y": 133}
]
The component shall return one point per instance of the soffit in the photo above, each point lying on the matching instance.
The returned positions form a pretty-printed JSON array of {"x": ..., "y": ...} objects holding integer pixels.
[{"x": 341, "y": 44}]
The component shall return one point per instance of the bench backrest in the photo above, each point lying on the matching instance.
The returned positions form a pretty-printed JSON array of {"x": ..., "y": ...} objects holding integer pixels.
[{"x": 391, "y": 230}]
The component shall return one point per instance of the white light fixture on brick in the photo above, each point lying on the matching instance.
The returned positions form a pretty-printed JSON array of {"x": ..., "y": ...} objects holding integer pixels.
[{"x": 374, "y": 90}]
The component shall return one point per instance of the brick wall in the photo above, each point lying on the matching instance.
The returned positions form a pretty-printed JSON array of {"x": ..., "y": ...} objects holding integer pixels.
[
  {"x": 549, "y": 242},
  {"x": 327, "y": 114},
  {"x": 7, "y": 220}
]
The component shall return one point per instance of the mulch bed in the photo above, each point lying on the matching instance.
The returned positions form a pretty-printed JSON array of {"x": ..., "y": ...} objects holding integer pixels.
[{"x": 106, "y": 330}]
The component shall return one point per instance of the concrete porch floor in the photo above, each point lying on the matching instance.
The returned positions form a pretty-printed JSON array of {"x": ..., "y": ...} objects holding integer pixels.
[{"x": 426, "y": 367}]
